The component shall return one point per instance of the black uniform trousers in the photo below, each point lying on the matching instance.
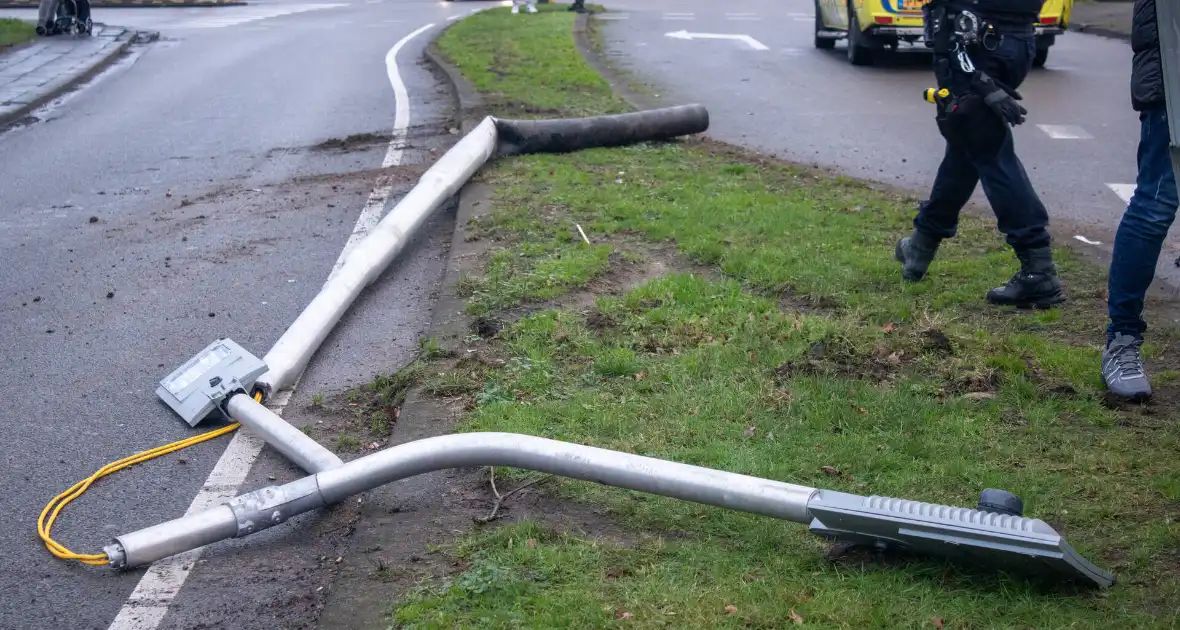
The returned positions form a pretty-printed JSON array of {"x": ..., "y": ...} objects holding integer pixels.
[{"x": 1019, "y": 212}]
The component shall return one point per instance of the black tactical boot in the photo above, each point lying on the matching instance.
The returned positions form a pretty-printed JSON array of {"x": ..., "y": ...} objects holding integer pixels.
[
  {"x": 1035, "y": 285},
  {"x": 915, "y": 253}
]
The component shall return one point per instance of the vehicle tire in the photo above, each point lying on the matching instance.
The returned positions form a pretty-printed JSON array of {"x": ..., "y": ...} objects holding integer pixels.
[
  {"x": 858, "y": 53},
  {"x": 1040, "y": 58},
  {"x": 822, "y": 43}
]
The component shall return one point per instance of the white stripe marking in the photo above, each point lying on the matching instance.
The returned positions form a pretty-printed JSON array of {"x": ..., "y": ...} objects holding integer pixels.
[
  {"x": 148, "y": 604},
  {"x": 742, "y": 18},
  {"x": 454, "y": 17},
  {"x": 1086, "y": 240},
  {"x": 1065, "y": 132},
  {"x": 1124, "y": 191}
]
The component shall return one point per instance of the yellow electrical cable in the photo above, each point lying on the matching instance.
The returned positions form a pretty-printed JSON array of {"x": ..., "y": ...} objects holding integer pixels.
[{"x": 60, "y": 501}]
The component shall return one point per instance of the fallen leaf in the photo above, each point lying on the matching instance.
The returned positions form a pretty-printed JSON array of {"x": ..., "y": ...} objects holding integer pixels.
[
  {"x": 937, "y": 621},
  {"x": 750, "y": 431},
  {"x": 532, "y": 542},
  {"x": 640, "y": 376},
  {"x": 794, "y": 616},
  {"x": 831, "y": 470},
  {"x": 623, "y": 615},
  {"x": 753, "y": 357},
  {"x": 889, "y": 328},
  {"x": 861, "y": 410},
  {"x": 979, "y": 395},
  {"x": 730, "y": 609}
]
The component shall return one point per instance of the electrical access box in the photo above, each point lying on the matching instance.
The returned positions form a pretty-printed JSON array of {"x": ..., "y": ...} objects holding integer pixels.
[{"x": 197, "y": 388}]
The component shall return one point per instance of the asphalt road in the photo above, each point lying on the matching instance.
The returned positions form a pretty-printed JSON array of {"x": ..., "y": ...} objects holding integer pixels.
[
  {"x": 179, "y": 198},
  {"x": 808, "y": 105}
]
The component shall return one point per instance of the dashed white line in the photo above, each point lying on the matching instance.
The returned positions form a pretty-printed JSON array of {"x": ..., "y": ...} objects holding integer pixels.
[
  {"x": 149, "y": 602},
  {"x": 1065, "y": 132},
  {"x": 454, "y": 17},
  {"x": 1124, "y": 191},
  {"x": 680, "y": 16}
]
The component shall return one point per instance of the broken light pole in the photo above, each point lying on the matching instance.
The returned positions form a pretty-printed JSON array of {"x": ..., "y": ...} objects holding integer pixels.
[{"x": 223, "y": 376}]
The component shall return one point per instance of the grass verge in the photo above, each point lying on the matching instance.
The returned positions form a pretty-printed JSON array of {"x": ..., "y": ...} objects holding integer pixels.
[
  {"x": 744, "y": 314},
  {"x": 14, "y": 32}
]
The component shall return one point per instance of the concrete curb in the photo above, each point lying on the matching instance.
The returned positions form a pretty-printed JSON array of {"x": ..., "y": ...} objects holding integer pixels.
[
  {"x": 364, "y": 603},
  {"x": 590, "y": 53},
  {"x": 66, "y": 83},
  {"x": 469, "y": 106}
]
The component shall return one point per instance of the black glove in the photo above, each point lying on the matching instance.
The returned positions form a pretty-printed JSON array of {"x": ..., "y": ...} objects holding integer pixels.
[{"x": 1002, "y": 100}]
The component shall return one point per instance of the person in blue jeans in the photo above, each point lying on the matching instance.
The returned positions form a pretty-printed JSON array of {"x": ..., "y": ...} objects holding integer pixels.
[{"x": 1148, "y": 217}]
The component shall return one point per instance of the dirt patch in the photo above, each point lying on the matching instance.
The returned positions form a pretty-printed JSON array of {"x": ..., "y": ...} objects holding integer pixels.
[
  {"x": 353, "y": 142},
  {"x": 631, "y": 265},
  {"x": 837, "y": 357}
]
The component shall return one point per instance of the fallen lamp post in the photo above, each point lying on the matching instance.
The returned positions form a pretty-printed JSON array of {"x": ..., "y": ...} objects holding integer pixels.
[{"x": 222, "y": 378}]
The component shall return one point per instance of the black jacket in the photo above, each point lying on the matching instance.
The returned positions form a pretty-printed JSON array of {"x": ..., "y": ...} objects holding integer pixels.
[
  {"x": 1012, "y": 15},
  {"x": 1147, "y": 71}
]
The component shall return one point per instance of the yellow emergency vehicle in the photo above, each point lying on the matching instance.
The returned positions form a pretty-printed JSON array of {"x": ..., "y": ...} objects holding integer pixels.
[{"x": 873, "y": 25}]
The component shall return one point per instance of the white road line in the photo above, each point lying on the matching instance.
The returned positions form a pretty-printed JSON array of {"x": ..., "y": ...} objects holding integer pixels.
[
  {"x": 454, "y": 17},
  {"x": 806, "y": 15},
  {"x": 1086, "y": 240},
  {"x": 614, "y": 16},
  {"x": 1124, "y": 191},
  {"x": 680, "y": 16},
  {"x": 149, "y": 603},
  {"x": 1065, "y": 132},
  {"x": 250, "y": 14},
  {"x": 743, "y": 18}
]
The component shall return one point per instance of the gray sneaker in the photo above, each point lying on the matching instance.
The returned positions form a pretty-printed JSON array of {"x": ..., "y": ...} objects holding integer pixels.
[{"x": 1122, "y": 369}]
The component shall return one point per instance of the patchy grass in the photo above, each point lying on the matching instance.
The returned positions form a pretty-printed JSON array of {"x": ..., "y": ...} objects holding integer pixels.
[
  {"x": 14, "y": 31},
  {"x": 803, "y": 357},
  {"x": 499, "y": 53}
]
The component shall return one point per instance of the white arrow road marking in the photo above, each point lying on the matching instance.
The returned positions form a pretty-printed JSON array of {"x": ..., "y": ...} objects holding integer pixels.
[
  {"x": 753, "y": 43},
  {"x": 1124, "y": 191},
  {"x": 1066, "y": 132}
]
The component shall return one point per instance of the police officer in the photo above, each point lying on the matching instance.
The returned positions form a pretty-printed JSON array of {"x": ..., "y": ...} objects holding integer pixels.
[{"x": 983, "y": 50}]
